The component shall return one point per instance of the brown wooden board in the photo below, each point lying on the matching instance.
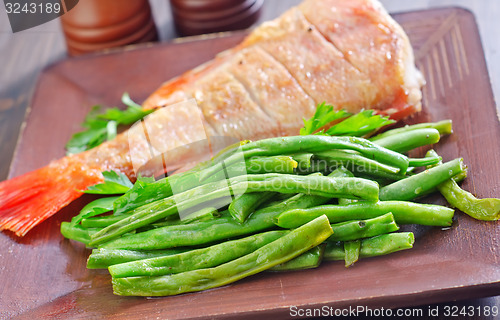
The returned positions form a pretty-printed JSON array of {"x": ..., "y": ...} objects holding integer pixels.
[{"x": 43, "y": 275}]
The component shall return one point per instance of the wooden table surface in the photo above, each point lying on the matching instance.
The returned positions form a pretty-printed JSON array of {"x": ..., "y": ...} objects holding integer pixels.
[{"x": 25, "y": 54}]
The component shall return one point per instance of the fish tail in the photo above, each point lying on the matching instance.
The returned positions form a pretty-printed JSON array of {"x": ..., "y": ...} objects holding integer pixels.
[{"x": 29, "y": 199}]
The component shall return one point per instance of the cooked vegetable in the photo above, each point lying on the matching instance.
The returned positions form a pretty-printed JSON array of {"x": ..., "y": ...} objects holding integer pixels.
[
  {"x": 423, "y": 182},
  {"x": 404, "y": 213},
  {"x": 195, "y": 259},
  {"x": 353, "y": 230},
  {"x": 408, "y": 140},
  {"x": 164, "y": 237},
  {"x": 371, "y": 247},
  {"x": 314, "y": 144},
  {"x": 482, "y": 209},
  {"x": 102, "y": 258},
  {"x": 314, "y": 185},
  {"x": 308, "y": 260},
  {"x": 444, "y": 127},
  {"x": 279, "y": 251},
  {"x": 244, "y": 205},
  {"x": 351, "y": 252},
  {"x": 219, "y": 229}
]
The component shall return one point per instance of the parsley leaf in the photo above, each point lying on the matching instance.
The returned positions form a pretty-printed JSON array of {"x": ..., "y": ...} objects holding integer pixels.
[
  {"x": 114, "y": 183},
  {"x": 324, "y": 115},
  {"x": 145, "y": 190},
  {"x": 94, "y": 208},
  {"x": 359, "y": 124},
  {"x": 101, "y": 127}
]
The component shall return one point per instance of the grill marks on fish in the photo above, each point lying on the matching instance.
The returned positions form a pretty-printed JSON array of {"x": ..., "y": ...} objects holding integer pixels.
[
  {"x": 319, "y": 68},
  {"x": 273, "y": 88},
  {"x": 370, "y": 40}
]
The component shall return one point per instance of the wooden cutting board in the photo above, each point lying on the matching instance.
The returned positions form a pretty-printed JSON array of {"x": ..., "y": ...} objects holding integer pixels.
[{"x": 44, "y": 275}]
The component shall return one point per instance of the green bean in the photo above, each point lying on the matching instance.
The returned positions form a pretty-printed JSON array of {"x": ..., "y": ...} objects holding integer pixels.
[
  {"x": 378, "y": 176},
  {"x": 145, "y": 193},
  {"x": 195, "y": 259},
  {"x": 279, "y": 251},
  {"x": 404, "y": 213},
  {"x": 100, "y": 222},
  {"x": 308, "y": 260},
  {"x": 444, "y": 127},
  {"x": 220, "y": 229},
  {"x": 244, "y": 205},
  {"x": 335, "y": 158},
  {"x": 371, "y": 247},
  {"x": 406, "y": 141},
  {"x": 313, "y": 144},
  {"x": 351, "y": 252},
  {"x": 353, "y": 230},
  {"x": 304, "y": 161},
  {"x": 77, "y": 232},
  {"x": 254, "y": 165},
  {"x": 487, "y": 209},
  {"x": 344, "y": 201},
  {"x": 314, "y": 185},
  {"x": 206, "y": 232},
  {"x": 103, "y": 258},
  {"x": 421, "y": 183},
  {"x": 427, "y": 161}
]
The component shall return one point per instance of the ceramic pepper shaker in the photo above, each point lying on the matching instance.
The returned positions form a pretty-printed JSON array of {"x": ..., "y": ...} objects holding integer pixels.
[
  {"x": 95, "y": 25},
  {"x": 192, "y": 17}
]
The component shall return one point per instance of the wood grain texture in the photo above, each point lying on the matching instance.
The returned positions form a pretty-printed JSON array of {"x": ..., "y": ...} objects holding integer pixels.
[{"x": 44, "y": 276}]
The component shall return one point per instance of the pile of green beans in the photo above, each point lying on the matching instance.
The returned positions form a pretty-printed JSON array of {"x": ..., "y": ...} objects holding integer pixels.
[{"x": 277, "y": 204}]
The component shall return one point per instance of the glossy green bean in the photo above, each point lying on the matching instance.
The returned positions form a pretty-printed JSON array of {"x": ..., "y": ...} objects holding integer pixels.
[
  {"x": 77, "y": 232},
  {"x": 427, "y": 161},
  {"x": 443, "y": 127},
  {"x": 351, "y": 252},
  {"x": 487, "y": 209},
  {"x": 314, "y": 185},
  {"x": 219, "y": 229},
  {"x": 308, "y": 260},
  {"x": 421, "y": 183},
  {"x": 100, "y": 222},
  {"x": 408, "y": 140},
  {"x": 372, "y": 247},
  {"x": 102, "y": 258},
  {"x": 353, "y": 230},
  {"x": 349, "y": 160},
  {"x": 404, "y": 213},
  {"x": 241, "y": 207},
  {"x": 279, "y": 251},
  {"x": 313, "y": 144},
  {"x": 195, "y": 259}
]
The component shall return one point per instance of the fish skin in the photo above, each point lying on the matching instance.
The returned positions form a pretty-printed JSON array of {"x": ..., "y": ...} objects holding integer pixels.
[{"x": 349, "y": 53}]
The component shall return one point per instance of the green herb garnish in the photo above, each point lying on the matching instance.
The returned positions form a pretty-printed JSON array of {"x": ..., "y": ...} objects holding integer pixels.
[
  {"x": 101, "y": 127},
  {"x": 114, "y": 183},
  {"x": 357, "y": 125}
]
